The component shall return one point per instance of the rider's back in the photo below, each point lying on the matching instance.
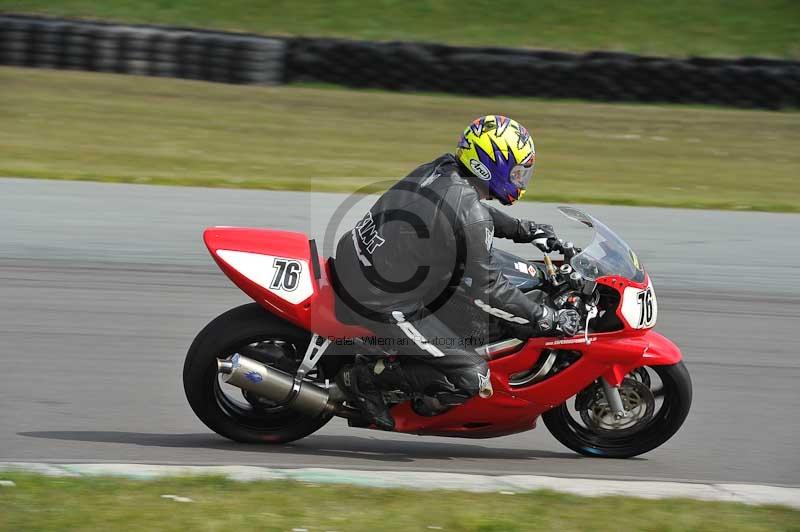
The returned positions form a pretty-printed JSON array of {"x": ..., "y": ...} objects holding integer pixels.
[{"x": 410, "y": 246}]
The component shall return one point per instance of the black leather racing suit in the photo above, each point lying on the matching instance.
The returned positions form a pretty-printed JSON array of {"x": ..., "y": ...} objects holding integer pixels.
[{"x": 424, "y": 237}]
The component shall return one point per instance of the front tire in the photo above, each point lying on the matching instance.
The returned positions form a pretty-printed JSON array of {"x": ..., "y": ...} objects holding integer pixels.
[
  {"x": 589, "y": 440},
  {"x": 244, "y": 328}
]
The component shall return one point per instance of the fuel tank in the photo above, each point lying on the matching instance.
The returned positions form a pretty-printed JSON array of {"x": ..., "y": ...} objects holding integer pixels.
[{"x": 524, "y": 274}]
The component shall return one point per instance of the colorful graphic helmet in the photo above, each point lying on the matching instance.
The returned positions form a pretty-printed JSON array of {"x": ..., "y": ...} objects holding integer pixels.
[{"x": 498, "y": 151}]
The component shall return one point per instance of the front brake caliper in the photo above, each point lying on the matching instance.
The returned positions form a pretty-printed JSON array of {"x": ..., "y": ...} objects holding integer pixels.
[{"x": 585, "y": 397}]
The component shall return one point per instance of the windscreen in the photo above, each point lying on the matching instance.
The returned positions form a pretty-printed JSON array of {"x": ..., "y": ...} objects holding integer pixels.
[{"x": 607, "y": 254}]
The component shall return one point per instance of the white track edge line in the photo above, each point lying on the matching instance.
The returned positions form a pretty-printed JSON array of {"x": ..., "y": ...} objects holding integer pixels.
[{"x": 754, "y": 494}]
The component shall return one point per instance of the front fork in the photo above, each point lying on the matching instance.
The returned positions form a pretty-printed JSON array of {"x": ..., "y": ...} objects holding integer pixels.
[
  {"x": 611, "y": 392},
  {"x": 613, "y": 398}
]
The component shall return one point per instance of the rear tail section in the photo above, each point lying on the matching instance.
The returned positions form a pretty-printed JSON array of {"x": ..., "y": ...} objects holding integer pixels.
[{"x": 278, "y": 269}]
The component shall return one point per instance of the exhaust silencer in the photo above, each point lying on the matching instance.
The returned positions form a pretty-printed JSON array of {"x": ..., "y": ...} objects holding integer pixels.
[{"x": 274, "y": 385}]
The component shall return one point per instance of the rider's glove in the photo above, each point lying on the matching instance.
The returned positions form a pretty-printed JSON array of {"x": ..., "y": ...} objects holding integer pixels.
[
  {"x": 542, "y": 235},
  {"x": 564, "y": 321}
]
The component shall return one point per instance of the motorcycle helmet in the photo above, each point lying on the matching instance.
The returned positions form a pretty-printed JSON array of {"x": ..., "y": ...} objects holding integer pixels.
[{"x": 500, "y": 153}]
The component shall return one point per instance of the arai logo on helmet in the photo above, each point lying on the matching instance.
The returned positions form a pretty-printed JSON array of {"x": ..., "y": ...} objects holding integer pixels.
[{"x": 480, "y": 169}]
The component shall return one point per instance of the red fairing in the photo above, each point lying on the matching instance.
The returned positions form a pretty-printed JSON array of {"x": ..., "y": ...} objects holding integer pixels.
[
  {"x": 272, "y": 267},
  {"x": 610, "y": 355},
  {"x": 276, "y": 269},
  {"x": 661, "y": 351},
  {"x": 323, "y": 317},
  {"x": 510, "y": 410}
]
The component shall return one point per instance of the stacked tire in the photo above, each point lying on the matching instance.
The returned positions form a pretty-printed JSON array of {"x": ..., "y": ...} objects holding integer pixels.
[
  {"x": 238, "y": 58},
  {"x": 141, "y": 50}
]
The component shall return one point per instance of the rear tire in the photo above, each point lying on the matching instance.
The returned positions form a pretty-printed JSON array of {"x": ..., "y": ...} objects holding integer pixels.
[
  {"x": 677, "y": 392},
  {"x": 221, "y": 338}
]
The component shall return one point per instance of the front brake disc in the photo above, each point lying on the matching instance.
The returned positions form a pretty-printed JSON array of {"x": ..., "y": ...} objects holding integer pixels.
[{"x": 638, "y": 401}]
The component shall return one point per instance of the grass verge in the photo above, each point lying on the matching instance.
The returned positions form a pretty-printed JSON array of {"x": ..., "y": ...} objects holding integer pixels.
[
  {"x": 678, "y": 27},
  {"x": 103, "y": 127},
  {"x": 43, "y": 503}
]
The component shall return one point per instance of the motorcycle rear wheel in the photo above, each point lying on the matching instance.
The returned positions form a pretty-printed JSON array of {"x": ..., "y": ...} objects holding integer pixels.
[
  {"x": 244, "y": 419},
  {"x": 677, "y": 399}
]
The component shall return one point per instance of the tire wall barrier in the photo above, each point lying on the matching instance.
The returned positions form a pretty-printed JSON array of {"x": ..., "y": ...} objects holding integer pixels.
[
  {"x": 143, "y": 50},
  {"x": 241, "y": 58}
]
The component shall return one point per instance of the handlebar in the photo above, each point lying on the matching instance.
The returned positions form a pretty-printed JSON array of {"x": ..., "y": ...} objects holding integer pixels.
[{"x": 568, "y": 249}]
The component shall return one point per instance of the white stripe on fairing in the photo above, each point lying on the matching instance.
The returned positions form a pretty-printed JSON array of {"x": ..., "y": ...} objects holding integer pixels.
[
  {"x": 260, "y": 269},
  {"x": 424, "y": 480}
]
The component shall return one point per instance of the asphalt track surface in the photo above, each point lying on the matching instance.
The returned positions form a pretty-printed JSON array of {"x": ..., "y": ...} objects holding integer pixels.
[{"x": 103, "y": 287}]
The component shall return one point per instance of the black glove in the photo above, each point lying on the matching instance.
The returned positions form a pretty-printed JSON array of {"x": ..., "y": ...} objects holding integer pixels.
[
  {"x": 564, "y": 321},
  {"x": 542, "y": 235}
]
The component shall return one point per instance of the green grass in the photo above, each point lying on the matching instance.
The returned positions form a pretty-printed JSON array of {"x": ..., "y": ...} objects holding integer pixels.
[
  {"x": 74, "y": 125},
  {"x": 676, "y": 27},
  {"x": 60, "y": 504}
]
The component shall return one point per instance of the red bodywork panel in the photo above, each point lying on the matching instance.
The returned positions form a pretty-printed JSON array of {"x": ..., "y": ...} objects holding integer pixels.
[
  {"x": 265, "y": 242},
  {"x": 511, "y": 410},
  {"x": 248, "y": 257},
  {"x": 315, "y": 312}
]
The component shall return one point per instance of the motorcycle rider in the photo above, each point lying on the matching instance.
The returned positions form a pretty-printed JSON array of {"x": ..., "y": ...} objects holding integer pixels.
[{"x": 424, "y": 238}]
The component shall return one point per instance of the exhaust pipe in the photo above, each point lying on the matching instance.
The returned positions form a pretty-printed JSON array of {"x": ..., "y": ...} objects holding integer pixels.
[{"x": 275, "y": 385}]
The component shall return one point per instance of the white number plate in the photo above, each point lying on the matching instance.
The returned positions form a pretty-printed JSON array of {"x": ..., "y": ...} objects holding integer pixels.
[{"x": 639, "y": 307}]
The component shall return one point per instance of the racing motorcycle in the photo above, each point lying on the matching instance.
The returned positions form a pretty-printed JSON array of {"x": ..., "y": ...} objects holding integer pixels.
[{"x": 264, "y": 371}]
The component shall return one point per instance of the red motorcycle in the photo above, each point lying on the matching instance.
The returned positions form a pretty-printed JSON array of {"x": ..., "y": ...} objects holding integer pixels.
[{"x": 263, "y": 372}]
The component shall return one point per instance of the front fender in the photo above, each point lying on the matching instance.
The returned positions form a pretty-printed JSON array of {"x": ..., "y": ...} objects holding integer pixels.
[
  {"x": 661, "y": 351},
  {"x": 658, "y": 351}
]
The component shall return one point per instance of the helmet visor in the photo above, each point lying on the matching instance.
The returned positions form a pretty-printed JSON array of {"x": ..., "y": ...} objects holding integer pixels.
[{"x": 521, "y": 175}]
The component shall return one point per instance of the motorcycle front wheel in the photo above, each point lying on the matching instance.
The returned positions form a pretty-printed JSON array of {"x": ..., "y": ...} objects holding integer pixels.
[
  {"x": 229, "y": 411},
  {"x": 656, "y": 398}
]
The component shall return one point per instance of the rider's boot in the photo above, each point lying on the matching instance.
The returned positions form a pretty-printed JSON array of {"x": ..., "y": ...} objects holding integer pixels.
[
  {"x": 433, "y": 393},
  {"x": 433, "y": 405},
  {"x": 358, "y": 381}
]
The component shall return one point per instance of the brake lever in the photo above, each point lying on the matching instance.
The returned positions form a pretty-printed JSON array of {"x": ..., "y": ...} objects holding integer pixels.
[{"x": 589, "y": 316}]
